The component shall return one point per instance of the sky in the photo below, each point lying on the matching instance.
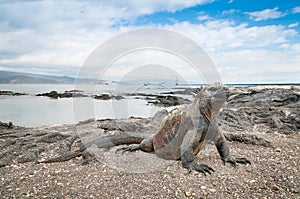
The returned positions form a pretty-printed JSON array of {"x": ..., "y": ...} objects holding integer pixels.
[{"x": 248, "y": 42}]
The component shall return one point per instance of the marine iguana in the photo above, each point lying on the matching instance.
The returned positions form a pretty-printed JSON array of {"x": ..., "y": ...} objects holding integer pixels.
[{"x": 181, "y": 135}]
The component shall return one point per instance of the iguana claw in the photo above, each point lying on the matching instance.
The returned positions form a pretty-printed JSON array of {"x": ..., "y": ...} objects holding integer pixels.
[
  {"x": 203, "y": 168},
  {"x": 233, "y": 160}
]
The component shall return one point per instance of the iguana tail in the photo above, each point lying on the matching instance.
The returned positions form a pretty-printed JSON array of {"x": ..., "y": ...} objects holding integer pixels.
[
  {"x": 64, "y": 157},
  {"x": 100, "y": 143}
]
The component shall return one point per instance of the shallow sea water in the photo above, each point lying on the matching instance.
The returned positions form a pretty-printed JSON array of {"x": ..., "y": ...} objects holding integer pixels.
[{"x": 32, "y": 111}]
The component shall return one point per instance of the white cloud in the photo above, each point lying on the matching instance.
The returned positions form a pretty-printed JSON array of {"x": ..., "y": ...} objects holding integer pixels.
[
  {"x": 259, "y": 65},
  {"x": 293, "y": 25},
  {"x": 203, "y": 16},
  {"x": 64, "y": 33},
  {"x": 149, "y": 6},
  {"x": 217, "y": 35},
  {"x": 230, "y": 1},
  {"x": 48, "y": 38},
  {"x": 231, "y": 11},
  {"x": 265, "y": 14},
  {"x": 86, "y": 13},
  {"x": 243, "y": 54},
  {"x": 124, "y": 67},
  {"x": 296, "y": 9}
]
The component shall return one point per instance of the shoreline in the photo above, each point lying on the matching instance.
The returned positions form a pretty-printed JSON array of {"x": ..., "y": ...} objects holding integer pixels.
[{"x": 164, "y": 99}]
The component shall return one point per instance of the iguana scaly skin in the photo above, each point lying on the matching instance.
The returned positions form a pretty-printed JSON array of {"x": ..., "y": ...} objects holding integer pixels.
[{"x": 181, "y": 135}]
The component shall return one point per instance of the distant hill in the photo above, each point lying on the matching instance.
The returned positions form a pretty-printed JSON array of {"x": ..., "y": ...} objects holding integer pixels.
[
  {"x": 22, "y": 79},
  {"x": 8, "y": 77}
]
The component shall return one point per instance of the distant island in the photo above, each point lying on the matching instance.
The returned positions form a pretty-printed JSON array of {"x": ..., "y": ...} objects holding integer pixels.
[{"x": 8, "y": 77}]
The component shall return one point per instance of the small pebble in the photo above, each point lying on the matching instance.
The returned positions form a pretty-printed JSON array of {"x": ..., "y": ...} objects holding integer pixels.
[
  {"x": 276, "y": 187},
  {"x": 278, "y": 150},
  {"x": 213, "y": 190},
  {"x": 188, "y": 194},
  {"x": 203, "y": 187}
]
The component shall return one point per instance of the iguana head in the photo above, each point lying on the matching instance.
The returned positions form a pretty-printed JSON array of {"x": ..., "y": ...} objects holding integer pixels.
[{"x": 211, "y": 98}]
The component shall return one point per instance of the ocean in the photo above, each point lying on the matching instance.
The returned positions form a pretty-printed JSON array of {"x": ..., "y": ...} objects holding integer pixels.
[{"x": 34, "y": 111}]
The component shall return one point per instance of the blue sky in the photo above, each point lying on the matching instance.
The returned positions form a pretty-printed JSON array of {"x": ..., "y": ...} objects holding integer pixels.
[{"x": 248, "y": 41}]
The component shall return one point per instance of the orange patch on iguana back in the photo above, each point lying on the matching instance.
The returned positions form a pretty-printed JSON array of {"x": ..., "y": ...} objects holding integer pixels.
[
  {"x": 167, "y": 131},
  {"x": 167, "y": 138}
]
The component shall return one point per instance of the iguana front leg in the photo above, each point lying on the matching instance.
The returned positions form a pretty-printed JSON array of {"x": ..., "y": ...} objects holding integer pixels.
[
  {"x": 223, "y": 150},
  {"x": 187, "y": 153},
  {"x": 146, "y": 145}
]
